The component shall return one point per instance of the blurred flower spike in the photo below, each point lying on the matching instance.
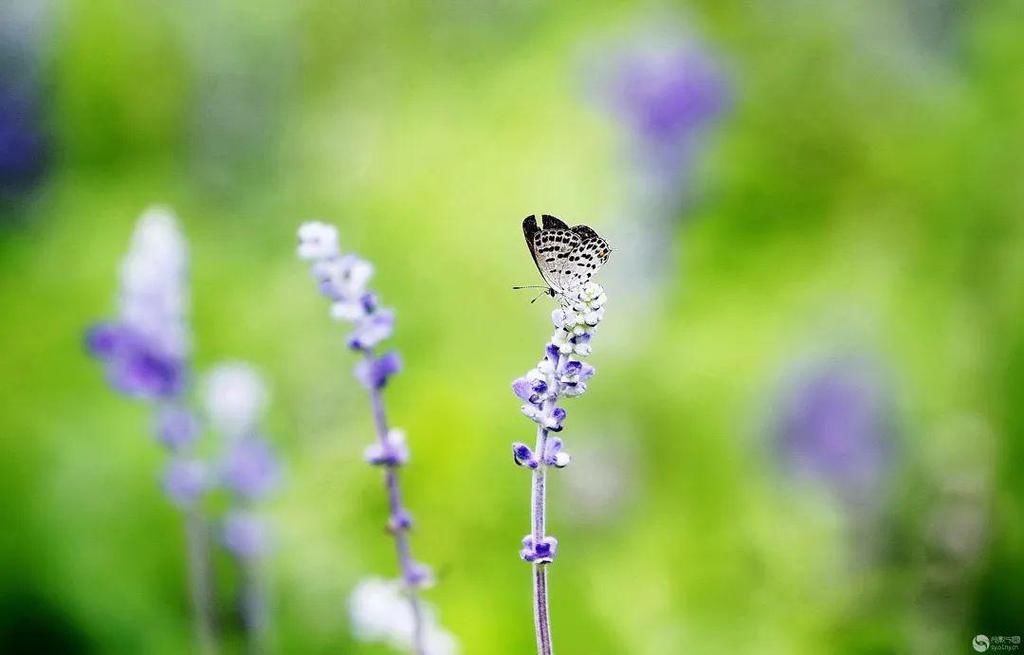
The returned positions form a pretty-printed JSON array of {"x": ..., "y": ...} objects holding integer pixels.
[
  {"x": 834, "y": 427},
  {"x": 145, "y": 349},
  {"x": 666, "y": 91}
]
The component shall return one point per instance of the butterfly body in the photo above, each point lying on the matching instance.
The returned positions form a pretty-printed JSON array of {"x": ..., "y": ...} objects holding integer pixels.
[{"x": 567, "y": 257}]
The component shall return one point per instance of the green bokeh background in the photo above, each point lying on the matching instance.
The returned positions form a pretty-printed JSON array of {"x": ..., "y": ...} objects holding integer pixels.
[{"x": 864, "y": 192}]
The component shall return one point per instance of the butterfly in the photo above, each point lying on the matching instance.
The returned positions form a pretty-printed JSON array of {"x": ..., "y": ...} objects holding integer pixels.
[{"x": 567, "y": 257}]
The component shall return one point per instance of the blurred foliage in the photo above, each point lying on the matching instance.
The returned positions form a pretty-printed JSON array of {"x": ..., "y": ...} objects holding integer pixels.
[{"x": 863, "y": 195}]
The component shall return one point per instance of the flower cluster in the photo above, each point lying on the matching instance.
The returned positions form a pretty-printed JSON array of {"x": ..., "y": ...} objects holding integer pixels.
[
  {"x": 343, "y": 280},
  {"x": 145, "y": 349},
  {"x": 834, "y": 427},
  {"x": 561, "y": 373}
]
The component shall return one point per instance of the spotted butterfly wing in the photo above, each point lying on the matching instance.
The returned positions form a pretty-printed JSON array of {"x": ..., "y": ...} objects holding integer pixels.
[{"x": 565, "y": 256}]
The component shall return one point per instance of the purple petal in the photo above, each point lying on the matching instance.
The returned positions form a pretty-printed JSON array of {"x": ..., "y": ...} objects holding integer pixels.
[
  {"x": 551, "y": 353},
  {"x": 105, "y": 339},
  {"x": 374, "y": 372},
  {"x": 144, "y": 373},
  {"x": 523, "y": 389}
]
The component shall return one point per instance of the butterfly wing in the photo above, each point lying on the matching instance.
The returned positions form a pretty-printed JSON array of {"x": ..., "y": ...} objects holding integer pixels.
[
  {"x": 585, "y": 259},
  {"x": 550, "y": 247}
]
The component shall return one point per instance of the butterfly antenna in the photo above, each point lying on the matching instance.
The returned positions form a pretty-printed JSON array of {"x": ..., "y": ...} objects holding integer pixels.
[
  {"x": 530, "y": 286},
  {"x": 542, "y": 293}
]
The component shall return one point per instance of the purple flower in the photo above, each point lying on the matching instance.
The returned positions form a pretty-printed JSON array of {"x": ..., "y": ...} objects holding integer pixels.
[
  {"x": 373, "y": 372},
  {"x": 343, "y": 279},
  {"x": 554, "y": 455},
  {"x": 246, "y": 535},
  {"x": 523, "y": 456},
  {"x": 372, "y": 329},
  {"x": 574, "y": 378},
  {"x": 394, "y": 452},
  {"x": 399, "y": 521},
  {"x": 539, "y": 552},
  {"x": 250, "y": 469},
  {"x": 176, "y": 427},
  {"x": 834, "y": 427},
  {"x": 420, "y": 576},
  {"x": 185, "y": 480},
  {"x": 532, "y": 388}
]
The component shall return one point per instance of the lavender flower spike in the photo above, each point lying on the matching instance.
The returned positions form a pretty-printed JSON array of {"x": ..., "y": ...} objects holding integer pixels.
[
  {"x": 561, "y": 373},
  {"x": 343, "y": 279},
  {"x": 145, "y": 352}
]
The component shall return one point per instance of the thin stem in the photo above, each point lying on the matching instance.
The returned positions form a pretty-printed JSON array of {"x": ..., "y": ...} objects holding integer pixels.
[
  {"x": 254, "y": 606},
  {"x": 538, "y": 518},
  {"x": 401, "y": 534},
  {"x": 542, "y": 622},
  {"x": 199, "y": 580}
]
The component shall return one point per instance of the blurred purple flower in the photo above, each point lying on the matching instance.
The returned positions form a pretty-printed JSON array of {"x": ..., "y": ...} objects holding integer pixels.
[
  {"x": 394, "y": 452},
  {"x": 373, "y": 372},
  {"x": 23, "y": 147},
  {"x": 145, "y": 348},
  {"x": 185, "y": 480},
  {"x": 133, "y": 366},
  {"x": 371, "y": 329},
  {"x": 250, "y": 469},
  {"x": 176, "y": 427},
  {"x": 834, "y": 427},
  {"x": 246, "y": 535},
  {"x": 666, "y": 93}
]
